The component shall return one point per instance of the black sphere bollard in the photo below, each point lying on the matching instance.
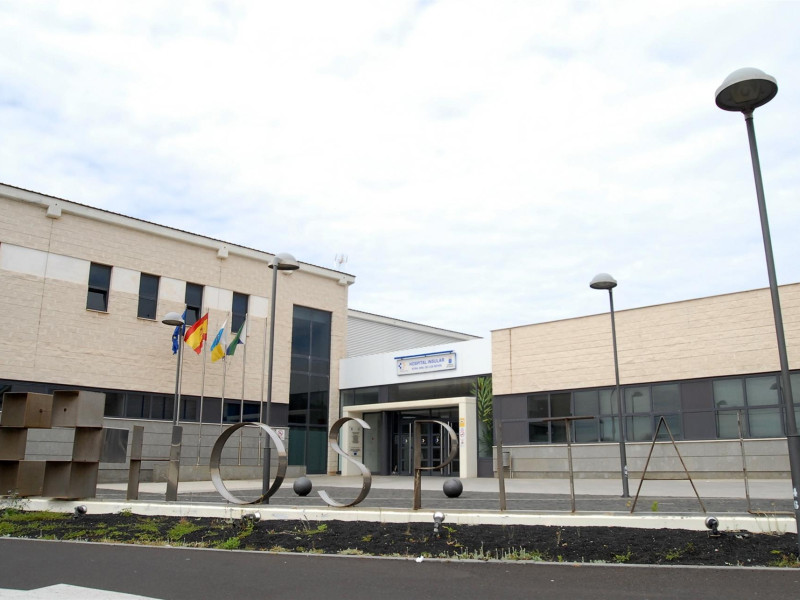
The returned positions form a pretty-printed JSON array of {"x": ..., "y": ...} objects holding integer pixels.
[
  {"x": 302, "y": 486},
  {"x": 452, "y": 488}
]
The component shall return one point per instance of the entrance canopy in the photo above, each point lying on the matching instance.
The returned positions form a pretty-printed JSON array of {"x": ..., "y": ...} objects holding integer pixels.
[{"x": 467, "y": 429}]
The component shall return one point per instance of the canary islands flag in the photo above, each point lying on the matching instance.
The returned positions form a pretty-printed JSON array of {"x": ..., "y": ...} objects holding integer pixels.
[
  {"x": 197, "y": 334},
  {"x": 218, "y": 346}
]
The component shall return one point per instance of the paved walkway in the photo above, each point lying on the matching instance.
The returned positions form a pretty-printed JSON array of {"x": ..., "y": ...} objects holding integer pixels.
[
  {"x": 597, "y": 502},
  {"x": 482, "y": 494}
]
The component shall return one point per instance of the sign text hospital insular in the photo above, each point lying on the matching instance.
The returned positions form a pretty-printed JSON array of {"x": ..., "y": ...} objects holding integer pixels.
[{"x": 425, "y": 363}]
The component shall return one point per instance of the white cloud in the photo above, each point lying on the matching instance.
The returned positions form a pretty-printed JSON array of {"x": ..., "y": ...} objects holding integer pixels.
[{"x": 477, "y": 162}]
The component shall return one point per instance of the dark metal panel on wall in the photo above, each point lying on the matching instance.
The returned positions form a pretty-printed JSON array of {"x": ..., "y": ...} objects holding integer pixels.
[
  {"x": 279, "y": 415},
  {"x": 697, "y": 405}
]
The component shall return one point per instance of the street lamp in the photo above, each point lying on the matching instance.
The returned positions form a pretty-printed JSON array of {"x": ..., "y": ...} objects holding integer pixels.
[
  {"x": 280, "y": 262},
  {"x": 604, "y": 281},
  {"x": 176, "y": 320},
  {"x": 743, "y": 91},
  {"x": 173, "y": 473}
]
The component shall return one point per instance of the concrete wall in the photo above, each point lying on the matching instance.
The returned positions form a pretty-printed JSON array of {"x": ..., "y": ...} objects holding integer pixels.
[
  {"x": 721, "y": 335},
  {"x": 764, "y": 458}
]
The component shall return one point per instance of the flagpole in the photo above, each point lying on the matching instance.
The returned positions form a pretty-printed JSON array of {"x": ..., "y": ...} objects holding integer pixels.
[
  {"x": 202, "y": 397},
  {"x": 261, "y": 400},
  {"x": 180, "y": 370},
  {"x": 241, "y": 404},
  {"x": 222, "y": 401}
]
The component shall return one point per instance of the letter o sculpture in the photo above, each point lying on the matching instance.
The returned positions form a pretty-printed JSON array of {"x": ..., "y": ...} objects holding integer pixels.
[{"x": 216, "y": 455}]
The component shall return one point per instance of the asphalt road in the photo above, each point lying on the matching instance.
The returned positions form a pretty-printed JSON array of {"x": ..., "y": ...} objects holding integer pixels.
[{"x": 192, "y": 574}]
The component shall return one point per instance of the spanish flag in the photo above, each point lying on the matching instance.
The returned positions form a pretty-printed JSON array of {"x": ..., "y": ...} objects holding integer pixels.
[
  {"x": 197, "y": 334},
  {"x": 218, "y": 346}
]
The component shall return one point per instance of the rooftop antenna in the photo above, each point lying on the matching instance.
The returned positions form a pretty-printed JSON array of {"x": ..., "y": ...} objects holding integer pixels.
[{"x": 340, "y": 260}]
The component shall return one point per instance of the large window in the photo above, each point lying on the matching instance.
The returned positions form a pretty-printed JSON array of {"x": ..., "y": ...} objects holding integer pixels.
[
  {"x": 719, "y": 408},
  {"x": 99, "y": 285},
  {"x": 309, "y": 388},
  {"x": 238, "y": 310},
  {"x": 544, "y": 412},
  {"x": 194, "y": 303},
  {"x": 148, "y": 296},
  {"x": 750, "y": 405},
  {"x": 369, "y": 395}
]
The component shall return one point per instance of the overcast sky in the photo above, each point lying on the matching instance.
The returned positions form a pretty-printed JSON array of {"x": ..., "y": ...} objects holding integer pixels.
[{"x": 476, "y": 162}]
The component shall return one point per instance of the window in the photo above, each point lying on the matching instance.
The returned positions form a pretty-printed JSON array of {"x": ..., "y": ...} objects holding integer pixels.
[
  {"x": 762, "y": 391},
  {"x": 637, "y": 399},
  {"x": 548, "y": 406},
  {"x": 370, "y": 395},
  {"x": 309, "y": 388},
  {"x": 238, "y": 310},
  {"x": 148, "y": 296},
  {"x": 99, "y": 285},
  {"x": 194, "y": 302},
  {"x": 749, "y": 407}
]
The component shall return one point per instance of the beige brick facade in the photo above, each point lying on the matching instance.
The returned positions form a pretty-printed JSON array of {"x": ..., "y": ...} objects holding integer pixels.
[
  {"x": 721, "y": 335},
  {"x": 46, "y": 247}
]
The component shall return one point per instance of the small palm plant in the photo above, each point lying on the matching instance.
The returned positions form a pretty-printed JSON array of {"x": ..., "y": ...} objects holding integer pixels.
[{"x": 482, "y": 390}]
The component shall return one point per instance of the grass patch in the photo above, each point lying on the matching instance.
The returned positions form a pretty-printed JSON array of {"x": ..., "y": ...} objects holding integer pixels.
[
  {"x": 785, "y": 560},
  {"x": 181, "y": 529},
  {"x": 229, "y": 544}
]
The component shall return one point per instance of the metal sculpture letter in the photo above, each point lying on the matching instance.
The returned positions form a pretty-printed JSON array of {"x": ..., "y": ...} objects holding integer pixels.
[
  {"x": 216, "y": 455},
  {"x": 333, "y": 440},
  {"x": 418, "y": 468}
]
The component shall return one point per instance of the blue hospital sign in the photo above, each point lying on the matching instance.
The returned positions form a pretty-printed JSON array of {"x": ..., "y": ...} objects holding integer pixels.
[{"x": 425, "y": 363}]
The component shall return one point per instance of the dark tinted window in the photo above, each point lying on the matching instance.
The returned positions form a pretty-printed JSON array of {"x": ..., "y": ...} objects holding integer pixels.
[
  {"x": 194, "y": 302},
  {"x": 99, "y": 285},
  {"x": 238, "y": 310},
  {"x": 148, "y": 296}
]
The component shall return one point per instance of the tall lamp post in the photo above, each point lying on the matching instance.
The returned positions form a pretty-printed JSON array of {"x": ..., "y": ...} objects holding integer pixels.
[
  {"x": 743, "y": 91},
  {"x": 176, "y": 320},
  {"x": 173, "y": 474},
  {"x": 604, "y": 281},
  {"x": 280, "y": 262}
]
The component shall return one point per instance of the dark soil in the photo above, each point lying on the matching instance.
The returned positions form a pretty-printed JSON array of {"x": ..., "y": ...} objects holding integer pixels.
[{"x": 511, "y": 542}]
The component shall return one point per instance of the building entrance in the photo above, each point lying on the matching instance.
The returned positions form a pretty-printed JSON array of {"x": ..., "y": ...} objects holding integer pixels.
[{"x": 434, "y": 439}]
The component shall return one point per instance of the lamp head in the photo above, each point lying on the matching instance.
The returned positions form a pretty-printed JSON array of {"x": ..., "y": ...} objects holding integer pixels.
[
  {"x": 438, "y": 517},
  {"x": 603, "y": 281},
  {"x": 172, "y": 318},
  {"x": 284, "y": 262},
  {"x": 712, "y": 523},
  {"x": 745, "y": 90}
]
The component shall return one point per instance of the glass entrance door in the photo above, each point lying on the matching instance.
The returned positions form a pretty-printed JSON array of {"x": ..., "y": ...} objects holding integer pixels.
[{"x": 434, "y": 441}]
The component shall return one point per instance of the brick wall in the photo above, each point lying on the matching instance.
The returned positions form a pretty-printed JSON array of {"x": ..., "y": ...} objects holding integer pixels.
[
  {"x": 721, "y": 335},
  {"x": 50, "y": 336}
]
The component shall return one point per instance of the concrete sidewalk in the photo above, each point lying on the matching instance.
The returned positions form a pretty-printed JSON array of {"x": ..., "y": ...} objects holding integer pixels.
[{"x": 769, "y": 489}]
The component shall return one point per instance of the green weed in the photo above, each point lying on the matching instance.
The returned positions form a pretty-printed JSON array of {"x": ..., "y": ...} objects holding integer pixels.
[
  {"x": 676, "y": 553},
  {"x": 623, "y": 558},
  {"x": 229, "y": 544},
  {"x": 785, "y": 560},
  {"x": 181, "y": 529}
]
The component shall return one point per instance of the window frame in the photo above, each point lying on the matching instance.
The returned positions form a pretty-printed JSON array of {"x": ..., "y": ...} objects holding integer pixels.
[
  {"x": 148, "y": 298},
  {"x": 98, "y": 289},
  {"x": 194, "y": 310}
]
